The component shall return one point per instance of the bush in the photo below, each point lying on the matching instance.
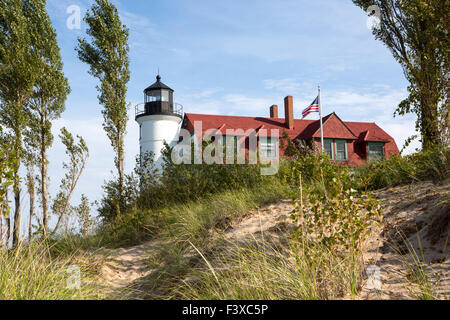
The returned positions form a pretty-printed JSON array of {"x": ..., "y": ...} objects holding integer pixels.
[
  {"x": 149, "y": 189},
  {"x": 314, "y": 170},
  {"x": 432, "y": 164}
]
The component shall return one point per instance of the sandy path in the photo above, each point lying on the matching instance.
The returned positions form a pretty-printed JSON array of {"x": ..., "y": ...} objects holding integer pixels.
[
  {"x": 408, "y": 216},
  {"x": 124, "y": 267},
  {"x": 272, "y": 219}
]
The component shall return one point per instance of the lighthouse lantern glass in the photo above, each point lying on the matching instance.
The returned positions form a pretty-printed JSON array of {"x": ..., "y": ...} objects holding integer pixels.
[
  {"x": 157, "y": 95},
  {"x": 165, "y": 95}
]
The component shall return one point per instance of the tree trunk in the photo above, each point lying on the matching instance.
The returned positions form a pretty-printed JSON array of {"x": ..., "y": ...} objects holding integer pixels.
[
  {"x": 44, "y": 180},
  {"x": 17, "y": 217},
  {"x": 8, "y": 223},
  {"x": 30, "y": 222},
  {"x": 429, "y": 112},
  {"x": 120, "y": 161},
  {"x": 1, "y": 232},
  {"x": 430, "y": 128},
  {"x": 429, "y": 91},
  {"x": 18, "y": 208}
]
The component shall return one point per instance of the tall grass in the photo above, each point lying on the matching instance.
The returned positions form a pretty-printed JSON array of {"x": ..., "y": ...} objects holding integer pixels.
[
  {"x": 200, "y": 223},
  {"x": 193, "y": 221},
  {"x": 262, "y": 271},
  {"x": 31, "y": 273},
  {"x": 193, "y": 261}
]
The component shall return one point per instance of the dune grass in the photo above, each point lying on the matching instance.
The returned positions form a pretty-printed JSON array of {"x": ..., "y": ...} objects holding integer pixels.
[
  {"x": 198, "y": 223},
  {"x": 421, "y": 283},
  {"x": 260, "y": 270},
  {"x": 195, "y": 262},
  {"x": 30, "y": 272}
]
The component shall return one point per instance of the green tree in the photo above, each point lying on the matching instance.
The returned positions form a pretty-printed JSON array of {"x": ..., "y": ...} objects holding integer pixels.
[
  {"x": 416, "y": 32},
  {"x": 49, "y": 95},
  {"x": 84, "y": 215},
  {"x": 107, "y": 56},
  {"x": 78, "y": 154},
  {"x": 18, "y": 70},
  {"x": 7, "y": 166}
]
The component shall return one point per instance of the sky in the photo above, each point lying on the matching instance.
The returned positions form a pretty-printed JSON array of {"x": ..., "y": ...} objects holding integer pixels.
[{"x": 231, "y": 58}]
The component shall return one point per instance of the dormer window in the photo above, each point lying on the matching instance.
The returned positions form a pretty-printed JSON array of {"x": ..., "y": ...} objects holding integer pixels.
[{"x": 376, "y": 151}]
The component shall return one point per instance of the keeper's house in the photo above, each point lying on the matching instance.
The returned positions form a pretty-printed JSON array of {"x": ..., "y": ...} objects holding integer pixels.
[{"x": 346, "y": 142}]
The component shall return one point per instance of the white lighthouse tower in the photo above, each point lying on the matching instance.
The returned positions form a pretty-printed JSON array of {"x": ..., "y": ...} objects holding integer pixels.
[{"x": 159, "y": 120}]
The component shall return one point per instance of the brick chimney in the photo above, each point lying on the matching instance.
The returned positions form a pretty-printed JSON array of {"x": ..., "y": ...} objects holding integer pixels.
[
  {"x": 289, "y": 112},
  {"x": 274, "y": 111}
]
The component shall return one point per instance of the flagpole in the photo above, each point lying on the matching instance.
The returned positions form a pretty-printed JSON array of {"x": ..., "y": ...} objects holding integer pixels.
[{"x": 321, "y": 127}]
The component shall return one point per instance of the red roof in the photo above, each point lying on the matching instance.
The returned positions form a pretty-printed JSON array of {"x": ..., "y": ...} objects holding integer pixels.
[
  {"x": 369, "y": 131},
  {"x": 333, "y": 126},
  {"x": 236, "y": 122}
]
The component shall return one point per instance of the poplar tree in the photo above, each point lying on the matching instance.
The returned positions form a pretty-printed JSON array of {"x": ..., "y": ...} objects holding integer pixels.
[
  {"x": 7, "y": 165},
  {"x": 18, "y": 70},
  {"x": 78, "y": 153},
  {"x": 84, "y": 216},
  {"x": 47, "y": 102},
  {"x": 107, "y": 56},
  {"x": 416, "y": 33}
]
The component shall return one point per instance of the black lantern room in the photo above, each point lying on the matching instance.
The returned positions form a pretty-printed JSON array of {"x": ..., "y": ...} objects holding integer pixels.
[{"x": 158, "y": 99}]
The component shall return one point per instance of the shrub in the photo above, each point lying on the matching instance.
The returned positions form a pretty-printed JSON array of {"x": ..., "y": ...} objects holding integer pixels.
[
  {"x": 149, "y": 189},
  {"x": 432, "y": 164},
  {"x": 339, "y": 220}
]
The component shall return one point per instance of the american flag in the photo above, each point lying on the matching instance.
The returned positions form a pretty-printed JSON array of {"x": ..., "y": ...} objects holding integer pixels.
[{"x": 314, "y": 107}]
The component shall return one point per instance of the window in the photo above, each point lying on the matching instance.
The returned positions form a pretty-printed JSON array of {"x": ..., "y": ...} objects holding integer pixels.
[
  {"x": 328, "y": 147},
  {"x": 154, "y": 96},
  {"x": 232, "y": 142},
  {"x": 268, "y": 147},
  {"x": 164, "y": 95},
  {"x": 376, "y": 151},
  {"x": 341, "y": 150}
]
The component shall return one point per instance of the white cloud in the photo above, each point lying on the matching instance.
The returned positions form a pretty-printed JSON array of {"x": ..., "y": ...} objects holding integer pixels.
[{"x": 286, "y": 85}]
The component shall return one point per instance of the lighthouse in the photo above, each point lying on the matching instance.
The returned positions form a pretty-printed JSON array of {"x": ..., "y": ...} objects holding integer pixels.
[{"x": 159, "y": 120}]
